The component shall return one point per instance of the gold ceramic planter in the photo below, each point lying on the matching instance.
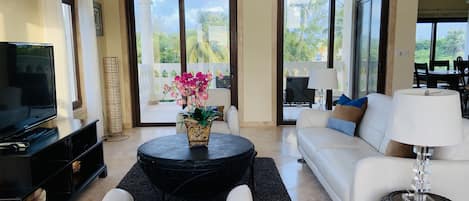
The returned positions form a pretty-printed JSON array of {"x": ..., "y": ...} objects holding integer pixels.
[{"x": 197, "y": 135}]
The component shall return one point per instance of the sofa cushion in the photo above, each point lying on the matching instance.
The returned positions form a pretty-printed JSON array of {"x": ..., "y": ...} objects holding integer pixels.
[
  {"x": 337, "y": 166},
  {"x": 397, "y": 149},
  {"x": 350, "y": 110},
  {"x": 346, "y": 127},
  {"x": 373, "y": 125},
  {"x": 313, "y": 139}
]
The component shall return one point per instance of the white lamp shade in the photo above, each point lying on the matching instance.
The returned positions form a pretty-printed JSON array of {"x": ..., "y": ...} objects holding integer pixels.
[
  {"x": 432, "y": 120},
  {"x": 322, "y": 78}
]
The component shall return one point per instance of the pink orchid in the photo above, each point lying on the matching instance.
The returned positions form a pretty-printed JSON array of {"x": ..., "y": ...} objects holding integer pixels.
[{"x": 191, "y": 87}]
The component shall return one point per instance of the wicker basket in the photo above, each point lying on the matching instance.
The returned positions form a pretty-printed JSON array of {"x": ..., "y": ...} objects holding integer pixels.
[{"x": 197, "y": 135}]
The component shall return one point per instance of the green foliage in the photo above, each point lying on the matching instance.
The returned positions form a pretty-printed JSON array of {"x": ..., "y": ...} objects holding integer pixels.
[
  {"x": 164, "y": 74},
  {"x": 204, "y": 115},
  {"x": 309, "y": 40},
  {"x": 199, "y": 48},
  {"x": 174, "y": 73}
]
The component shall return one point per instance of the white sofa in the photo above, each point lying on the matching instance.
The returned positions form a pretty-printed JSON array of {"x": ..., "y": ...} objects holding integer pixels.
[
  {"x": 218, "y": 97},
  {"x": 355, "y": 168}
]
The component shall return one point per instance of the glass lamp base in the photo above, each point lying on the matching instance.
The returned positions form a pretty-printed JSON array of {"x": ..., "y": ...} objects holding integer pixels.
[
  {"x": 416, "y": 197},
  {"x": 421, "y": 183}
]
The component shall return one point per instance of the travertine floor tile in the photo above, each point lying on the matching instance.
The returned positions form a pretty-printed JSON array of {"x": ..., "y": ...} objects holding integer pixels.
[{"x": 278, "y": 143}]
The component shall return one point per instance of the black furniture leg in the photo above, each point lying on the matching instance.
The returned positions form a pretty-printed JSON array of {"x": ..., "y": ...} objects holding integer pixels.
[
  {"x": 252, "y": 180},
  {"x": 104, "y": 173}
]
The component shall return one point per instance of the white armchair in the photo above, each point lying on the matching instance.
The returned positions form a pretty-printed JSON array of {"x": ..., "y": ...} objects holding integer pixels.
[
  {"x": 218, "y": 97},
  {"x": 239, "y": 193}
]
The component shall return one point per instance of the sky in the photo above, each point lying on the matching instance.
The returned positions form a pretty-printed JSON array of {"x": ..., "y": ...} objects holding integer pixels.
[{"x": 166, "y": 13}]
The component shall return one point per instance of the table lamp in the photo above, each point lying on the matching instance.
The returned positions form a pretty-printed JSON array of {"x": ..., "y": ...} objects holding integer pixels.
[
  {"x": 425, "y": 118},
  {"x": 322, "y": 78}
]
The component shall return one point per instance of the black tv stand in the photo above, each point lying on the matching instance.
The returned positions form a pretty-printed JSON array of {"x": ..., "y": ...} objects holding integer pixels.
[{"x": 51, "y": 163}]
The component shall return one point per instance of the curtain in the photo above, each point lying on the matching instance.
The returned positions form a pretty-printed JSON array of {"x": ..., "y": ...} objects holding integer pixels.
[
  {"x": 90, "y": 62},
  {"x": 54, "y": 33}
]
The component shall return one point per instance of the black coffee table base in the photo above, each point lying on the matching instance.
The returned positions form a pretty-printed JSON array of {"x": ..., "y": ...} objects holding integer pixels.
[
  {"x": 252, "y": 184},
  {"x": 199, "y": 172}
]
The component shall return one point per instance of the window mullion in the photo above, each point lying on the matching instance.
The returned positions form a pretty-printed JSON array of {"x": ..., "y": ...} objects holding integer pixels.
[{"x": 182, "y": 36}]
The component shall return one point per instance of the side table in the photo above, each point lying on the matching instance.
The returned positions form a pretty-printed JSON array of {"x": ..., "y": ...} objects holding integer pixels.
[{"x": 398, "y": 196}]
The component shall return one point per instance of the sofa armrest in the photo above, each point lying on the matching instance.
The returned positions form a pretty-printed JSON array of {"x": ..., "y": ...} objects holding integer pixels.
[
  {"x": 312, "y": 118},
  {"x": 233, "y": 120},
  {"x": 378, "y": 176}
]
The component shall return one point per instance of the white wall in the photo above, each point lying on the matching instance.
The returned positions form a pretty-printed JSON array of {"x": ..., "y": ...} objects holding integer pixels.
[
  {"x": 257, "y": 66},
  {"x": 401, "y": 45},
  {"x": 39, "y": 21}
]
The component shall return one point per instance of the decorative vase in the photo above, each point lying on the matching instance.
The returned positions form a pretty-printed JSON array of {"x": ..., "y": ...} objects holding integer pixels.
[{"x": 197, "y": 135}]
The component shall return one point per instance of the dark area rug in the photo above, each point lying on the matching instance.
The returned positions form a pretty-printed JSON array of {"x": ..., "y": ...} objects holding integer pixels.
[{"x": 269, "y": 185}]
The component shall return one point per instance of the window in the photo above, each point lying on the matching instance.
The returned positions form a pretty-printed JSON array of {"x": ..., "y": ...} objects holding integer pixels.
[
  {"x": 440, "y": 39},
  {"x": 450, "y": 40},
  {"x": 68, "y": 10},
  {"x": 423, "y": 42}
]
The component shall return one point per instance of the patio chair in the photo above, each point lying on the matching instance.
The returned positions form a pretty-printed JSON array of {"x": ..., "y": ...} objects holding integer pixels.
[
  {"x": 297, "y": 91},
  {"x": 230, "y": 123}
]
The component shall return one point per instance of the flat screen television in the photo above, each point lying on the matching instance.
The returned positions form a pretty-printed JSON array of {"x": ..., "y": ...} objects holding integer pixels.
[{"x": 27, "y": 86}]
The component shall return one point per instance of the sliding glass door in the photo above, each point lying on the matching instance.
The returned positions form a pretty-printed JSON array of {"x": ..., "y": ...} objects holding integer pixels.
[
  {"x": 311, "y": 34},
  {"x": 168, "y": 37},
  {"x": 370, "y": 47}
]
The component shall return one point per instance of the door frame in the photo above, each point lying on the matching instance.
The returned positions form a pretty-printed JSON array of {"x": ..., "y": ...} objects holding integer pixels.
[
  {"x": 133, "y": 63},
  {"x": 383, "y": 48}
]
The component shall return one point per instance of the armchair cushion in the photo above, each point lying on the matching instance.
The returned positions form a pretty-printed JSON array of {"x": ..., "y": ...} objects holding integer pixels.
[
  {"x": 219, "y": 97},
  {"x": 240, "y": 193},
  {"x": 117, "y": 194}
]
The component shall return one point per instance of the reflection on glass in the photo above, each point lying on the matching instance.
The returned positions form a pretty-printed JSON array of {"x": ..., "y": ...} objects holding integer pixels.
[
  {"x": 363, "y": 46},
  {"x": 339, "y": 38},
  {"x": 207, "y": 39},
  {"x": 450, "y": 40},
  {"x": 158, "y": 56},
  {"x": 305, "y": 35},
  {"x": 423, "y": 37},
  {"x": 375, "y": 27}
]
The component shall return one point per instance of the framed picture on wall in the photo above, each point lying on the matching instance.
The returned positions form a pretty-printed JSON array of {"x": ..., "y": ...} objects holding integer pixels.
[{"x": 98, "y": 18}]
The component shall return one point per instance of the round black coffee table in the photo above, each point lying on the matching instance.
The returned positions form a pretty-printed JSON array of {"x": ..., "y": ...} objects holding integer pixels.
[{"x": 177, "y": 170}]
